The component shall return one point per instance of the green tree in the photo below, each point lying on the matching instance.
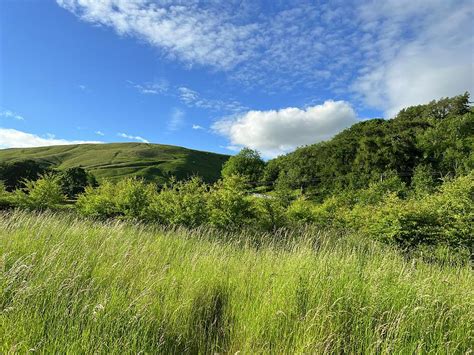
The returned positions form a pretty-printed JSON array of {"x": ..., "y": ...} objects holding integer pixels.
[
  {"x": 75, "y": 180},
  {"x": 16, "y": 173},
  {"x": 247, "y": 163}
]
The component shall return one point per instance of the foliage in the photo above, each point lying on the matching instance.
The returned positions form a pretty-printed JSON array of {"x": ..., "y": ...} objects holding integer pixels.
[
  {"x": 181, "y": 203},
  {"x": 15, "y": 173},
  {"x": 75, "y": 180},
  {"x": 98, "y": 202},
  {"x": 229, "y": 205},
  {"x": 45, "y": 192},
  {"x": 439, "y": 134},
  {"x": 247, "y": 163}
]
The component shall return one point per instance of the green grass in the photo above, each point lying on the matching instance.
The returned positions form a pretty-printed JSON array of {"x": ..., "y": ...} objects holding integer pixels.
[
  {"x": 153, "y": 162},
  {"x": 77, "y": 286}
]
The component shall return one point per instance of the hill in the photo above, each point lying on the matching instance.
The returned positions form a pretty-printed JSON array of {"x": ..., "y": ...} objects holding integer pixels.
[{"x": 153, "y": 162}]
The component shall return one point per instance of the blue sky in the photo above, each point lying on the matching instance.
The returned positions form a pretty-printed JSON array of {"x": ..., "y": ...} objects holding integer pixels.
[{"x": 219, "y": 75}]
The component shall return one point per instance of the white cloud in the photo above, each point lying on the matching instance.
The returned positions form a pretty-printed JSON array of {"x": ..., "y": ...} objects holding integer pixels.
[
  {"x": 177, "y": 120},
  {"x": 152, "y": 88},
  {"x": 100, "y": 133},
  {"x": 135, "y": 138},
  {"x": 183, "y": 30},
  {"x": 12, "y": 138},
  {"x": 423, "y": 50},
  {"x": 11, "y": 114},
  {"x": 192, "y": 98},
  {"x": 277, "y": 132},
  {"x": 388, "y": 53},
  {"x": 82, "y": 87},
  {"x": 197, "y": 127}
]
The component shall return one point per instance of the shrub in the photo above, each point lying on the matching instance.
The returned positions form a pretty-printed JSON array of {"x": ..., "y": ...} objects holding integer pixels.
[
  {"x": 46, "y": 192},
  {"x": 454, "y": 205},
  {"x": 229, "y": 206},
  {"x": 133, "y": 197},
  {"x": 5, "y": 197},
  {"x": 98, "y": 202},
  {"x": 181, "y": 203},
  {"x": 270, "y": 212},
  {"x": 300, "y": 211},
  {"x": 129, "y": 198}
]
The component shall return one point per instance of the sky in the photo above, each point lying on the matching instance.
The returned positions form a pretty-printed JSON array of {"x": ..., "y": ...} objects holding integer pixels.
[{"x": 214, "y": 75}]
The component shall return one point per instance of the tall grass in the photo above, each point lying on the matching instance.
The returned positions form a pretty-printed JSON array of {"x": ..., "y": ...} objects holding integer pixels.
[{"x": 72, "y": 285}]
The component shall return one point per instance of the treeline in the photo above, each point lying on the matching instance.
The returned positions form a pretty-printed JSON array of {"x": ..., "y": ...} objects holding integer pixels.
[{"x": 437, "y": 138}]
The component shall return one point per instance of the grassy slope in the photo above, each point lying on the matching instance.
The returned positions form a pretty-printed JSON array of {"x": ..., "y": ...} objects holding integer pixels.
[
  {"x": 115, "y": 160},
  {"x": 69, "y": 285}
]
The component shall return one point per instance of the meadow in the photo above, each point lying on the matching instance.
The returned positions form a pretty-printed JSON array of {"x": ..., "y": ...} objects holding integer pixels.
[{"x": 74, "y": 285}]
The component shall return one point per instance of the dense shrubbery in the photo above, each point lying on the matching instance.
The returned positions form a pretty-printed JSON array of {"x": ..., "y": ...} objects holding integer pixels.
[{"x": 387, "y": 210}]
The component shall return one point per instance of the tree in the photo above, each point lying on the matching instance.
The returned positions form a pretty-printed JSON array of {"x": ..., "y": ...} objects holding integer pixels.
[
  {"x": 75, "y": 180},
  {"x": 247, "y": 163},
  {"x": 16, "y": 173}
]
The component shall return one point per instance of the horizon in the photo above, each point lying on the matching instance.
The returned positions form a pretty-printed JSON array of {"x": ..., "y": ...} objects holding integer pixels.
[{"x": 219, "y": 76}]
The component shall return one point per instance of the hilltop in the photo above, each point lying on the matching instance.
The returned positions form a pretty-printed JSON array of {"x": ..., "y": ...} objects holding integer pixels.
[{"x": 153, "y": 162}]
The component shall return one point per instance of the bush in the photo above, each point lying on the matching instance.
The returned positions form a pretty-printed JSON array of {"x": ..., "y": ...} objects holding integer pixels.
[
  {"x": 270, "y": 212},
  {"x": 129, "y": 198},
  {"x": 5, "y": 197},
  {"x": 300, "y": 211},
  {"x": 229, "y": 206},
  {"x": 454, "y": 205},
  {"x": 444, "y": 218},
  {"x": 98, "y": 202},
  {"x": 181, "y": 203},
  {"x": 46, "y": 192}
]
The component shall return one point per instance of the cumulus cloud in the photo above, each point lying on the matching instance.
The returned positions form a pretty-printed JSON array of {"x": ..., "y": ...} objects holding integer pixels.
[
  {"x": 277, "y": 132},
  {"x": 12, "y": 138},
  {"x": 11, "y": 114},
  {"x": 100, "y": 133},
  {"x": 135, "y": 138}
]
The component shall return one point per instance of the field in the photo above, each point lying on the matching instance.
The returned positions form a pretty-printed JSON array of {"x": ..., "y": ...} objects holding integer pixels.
[
  {"x": 153, "y": 162},
  {"x": 73, "y": 285}
]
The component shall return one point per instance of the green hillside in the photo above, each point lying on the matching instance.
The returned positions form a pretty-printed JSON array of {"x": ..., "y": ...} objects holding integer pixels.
[{"x": 153, "y": 162}]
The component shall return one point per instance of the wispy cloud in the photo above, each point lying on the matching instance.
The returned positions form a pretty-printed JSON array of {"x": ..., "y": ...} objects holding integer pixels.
[
  {"x": 151, "y": 88},
  {"x": 387, "y": 53},
  {"x": 197, "y": 127},
  {"x": 277, "y": 132},
  {"x": 177, "y": 120},
  {"x": 192, "y": 98},
  {"x": 11, "y": 114},
  {"x": 82, "y": 87},
  {"x": 100, "y": 133},
  {"x": 12, "y": 138},
  {"x": 135, "y": 138}
]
